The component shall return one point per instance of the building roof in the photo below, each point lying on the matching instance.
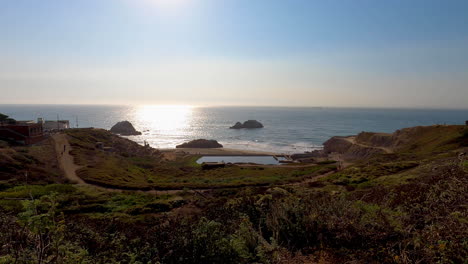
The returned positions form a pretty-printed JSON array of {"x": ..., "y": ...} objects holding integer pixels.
[{"x": 21, "y": 123}]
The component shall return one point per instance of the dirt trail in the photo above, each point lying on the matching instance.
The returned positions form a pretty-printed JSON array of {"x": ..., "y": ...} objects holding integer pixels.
[
  {"x": 65, "y": 160},
  {"x": 353, "y": 141},
  {"x": 69, "y": 168}
]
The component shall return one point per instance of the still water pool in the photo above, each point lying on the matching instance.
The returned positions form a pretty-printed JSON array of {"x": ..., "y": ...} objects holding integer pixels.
[{"x": 264, "y": 160}]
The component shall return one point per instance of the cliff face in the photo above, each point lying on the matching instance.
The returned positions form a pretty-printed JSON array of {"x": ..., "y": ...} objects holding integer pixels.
[{"x": 336, "y": 144}]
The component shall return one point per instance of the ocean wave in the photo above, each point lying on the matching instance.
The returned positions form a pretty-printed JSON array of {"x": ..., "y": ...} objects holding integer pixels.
[{"x": 297, "y": 147}]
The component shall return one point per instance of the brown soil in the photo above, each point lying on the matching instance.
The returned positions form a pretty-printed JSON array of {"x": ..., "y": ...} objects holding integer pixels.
[{"x": 65, "y": 160}]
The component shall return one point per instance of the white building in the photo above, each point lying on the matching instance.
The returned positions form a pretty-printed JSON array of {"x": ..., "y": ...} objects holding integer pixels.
[{"x": 49, "y": 125}]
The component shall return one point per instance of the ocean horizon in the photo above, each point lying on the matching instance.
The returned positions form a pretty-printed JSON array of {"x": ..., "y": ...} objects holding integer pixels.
[{"x": 287, "y": 129}]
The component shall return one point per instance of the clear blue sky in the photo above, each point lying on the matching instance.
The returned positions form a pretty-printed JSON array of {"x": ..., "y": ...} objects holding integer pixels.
[{"x": 395, "y": 53}]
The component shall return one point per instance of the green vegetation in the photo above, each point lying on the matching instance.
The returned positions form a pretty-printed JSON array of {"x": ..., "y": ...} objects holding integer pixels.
[
  {"x": 431, "y": 140},
  {"x": 36, "y": 164},
  {"x": 134, "y": 177},
  {"x": 404, "y": 207},
  {"x": 420, "y": 221},
  {"x": 361, "y": 175}
]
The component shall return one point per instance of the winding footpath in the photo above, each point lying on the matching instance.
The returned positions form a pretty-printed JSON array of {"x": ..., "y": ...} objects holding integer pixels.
[
  {"x": 65, "y": 160},
  {"x": 352, "y": 140}
]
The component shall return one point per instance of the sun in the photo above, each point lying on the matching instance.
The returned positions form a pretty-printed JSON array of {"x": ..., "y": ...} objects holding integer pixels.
[
  {"x": 164, "y": 8},
  {"x": 167, "y": 4}
]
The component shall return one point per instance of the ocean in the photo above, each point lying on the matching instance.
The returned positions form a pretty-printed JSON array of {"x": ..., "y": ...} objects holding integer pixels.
[{"x": 287, "y": 129}]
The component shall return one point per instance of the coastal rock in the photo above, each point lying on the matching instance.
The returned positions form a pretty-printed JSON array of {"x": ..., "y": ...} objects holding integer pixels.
[
  {"x": 238, "y": 125},
  {"x": 336, "y": 144},
  {"x": 125, "y": 128},
  {"x": 247, "y": 124},
  {"x": 201, "y": 143}
]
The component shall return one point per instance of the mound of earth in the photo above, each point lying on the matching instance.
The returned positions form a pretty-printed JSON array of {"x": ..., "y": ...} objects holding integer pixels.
[
  {"x": 247, "y": 124},
  {"x": 201, "y": 143},
  {"x": 350, "y": 149},
  {"x": 125, "y": 128}
]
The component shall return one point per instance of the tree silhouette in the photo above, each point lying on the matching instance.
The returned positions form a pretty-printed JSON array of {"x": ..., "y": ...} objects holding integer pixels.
[{"x": 4, "y": 119}]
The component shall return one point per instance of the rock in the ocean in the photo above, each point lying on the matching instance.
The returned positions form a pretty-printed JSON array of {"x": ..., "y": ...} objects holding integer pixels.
[
  {"x": 125, "y": 128},
  {"x": 247, "y": 124},
  {"x": 201, "y": 143},
  {"x": 238, "y": 125}
]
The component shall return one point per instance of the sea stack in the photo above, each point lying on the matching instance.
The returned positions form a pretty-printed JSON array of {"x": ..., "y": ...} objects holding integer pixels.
[
  {"x": 200, "y": 143},
  {"x": 125, "y": 128},
  {"x": 247, "y": 124}
]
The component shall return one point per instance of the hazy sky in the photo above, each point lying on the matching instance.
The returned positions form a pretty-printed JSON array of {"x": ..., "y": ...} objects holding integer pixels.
[{"x": 386, "y": 53}]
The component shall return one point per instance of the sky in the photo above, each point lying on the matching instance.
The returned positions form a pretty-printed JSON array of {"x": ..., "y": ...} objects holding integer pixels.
[{"x": 337, "y": 53}]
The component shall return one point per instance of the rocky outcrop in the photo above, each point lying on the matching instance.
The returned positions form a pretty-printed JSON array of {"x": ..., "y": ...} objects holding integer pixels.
[
  {"x": 201, "y": 143},
  {"x": 247, "y": 124},
  {"x": 337, "y": 145},
  {"x": 124, "y": 128},
  {"x": 238, "y": 125}
]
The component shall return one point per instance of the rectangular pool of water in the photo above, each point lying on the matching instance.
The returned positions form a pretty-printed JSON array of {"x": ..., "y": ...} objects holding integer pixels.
[{"x": 263, "y": 160}]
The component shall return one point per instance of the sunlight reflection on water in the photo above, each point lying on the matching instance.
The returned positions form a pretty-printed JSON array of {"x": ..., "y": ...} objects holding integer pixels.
[
  {"x": 167, "y": 120},
  {"x": 163, "y": 126}
]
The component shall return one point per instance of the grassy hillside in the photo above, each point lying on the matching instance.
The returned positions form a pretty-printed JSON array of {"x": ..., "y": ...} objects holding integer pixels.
[
  {"x": 431, "y": 139},
  {"x": 404, "y": 207},
  {"x": 131, "y": 166},
  {"x": 417, "y": 151},
  {"x": 36, "y": 164}
]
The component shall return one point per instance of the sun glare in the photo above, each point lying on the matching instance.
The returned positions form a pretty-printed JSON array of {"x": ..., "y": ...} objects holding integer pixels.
[
  {"x": 167, "y": 4},
  {"x": 167, "y": 119},
  {"x": 163, "y": 8}
]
